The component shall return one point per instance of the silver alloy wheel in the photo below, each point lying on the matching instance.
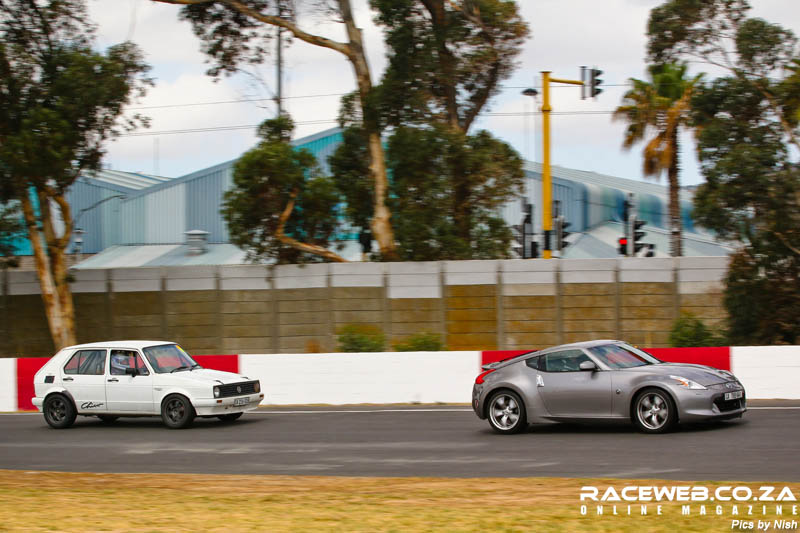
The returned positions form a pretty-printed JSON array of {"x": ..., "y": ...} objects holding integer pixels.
[
  {"x": 652, "y": 410},
  {"x": 57, "y": 410},
  {"x": 176, "y": 410},
  {"x": 504, "y": 412}
]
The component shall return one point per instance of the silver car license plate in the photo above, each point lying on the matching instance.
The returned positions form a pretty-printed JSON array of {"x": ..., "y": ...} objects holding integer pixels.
[
  {"x": 245, "y": 401},
  {"x": 733, "y": 395}
]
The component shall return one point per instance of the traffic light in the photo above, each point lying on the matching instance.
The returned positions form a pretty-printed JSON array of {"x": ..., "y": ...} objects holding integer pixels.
[
  {"x": 561, "y": 226},
  {"x": 523, "y": 233},
  {"x": 595, "y": 82},
  {"x": 623, "y": 246},
  {"x": 636, "y": 235}
]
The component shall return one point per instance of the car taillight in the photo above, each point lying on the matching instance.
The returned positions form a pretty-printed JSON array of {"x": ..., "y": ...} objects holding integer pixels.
[{"x": 480, "y": 377}]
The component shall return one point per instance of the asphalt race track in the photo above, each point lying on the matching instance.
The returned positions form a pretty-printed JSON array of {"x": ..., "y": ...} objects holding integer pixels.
[{"x": 407, "y": 441}]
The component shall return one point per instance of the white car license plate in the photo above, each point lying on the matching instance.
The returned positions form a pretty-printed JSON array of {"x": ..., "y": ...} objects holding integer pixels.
[
  {"x": 245, "y": 401},
  {"x": 733, "y": 395}
]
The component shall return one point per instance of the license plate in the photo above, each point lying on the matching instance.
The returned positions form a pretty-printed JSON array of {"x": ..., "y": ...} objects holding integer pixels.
[
  {"x": 245, "y": 401},
  {"x": 733, "y": 395}
]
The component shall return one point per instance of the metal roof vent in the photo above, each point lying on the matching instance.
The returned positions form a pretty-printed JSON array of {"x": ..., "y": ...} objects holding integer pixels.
[{"x": 197, "y": 241}]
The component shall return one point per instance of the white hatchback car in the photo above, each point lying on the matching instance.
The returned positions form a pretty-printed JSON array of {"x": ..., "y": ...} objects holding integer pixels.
[{"x": 138, "y": 378}]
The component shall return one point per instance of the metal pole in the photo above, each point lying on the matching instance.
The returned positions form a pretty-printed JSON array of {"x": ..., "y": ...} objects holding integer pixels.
[{"x": 547, "y": 180}]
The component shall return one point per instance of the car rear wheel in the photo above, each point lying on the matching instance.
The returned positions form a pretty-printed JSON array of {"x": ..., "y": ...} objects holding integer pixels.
[
  {"x": 108, "y": 419},
  {"x": 230, "y": 418},
  {"x": 177, "y": 412},
  {"x": 654, "y": 411},
  {"x": 59, "y": 412},
  {"x": 507, "y": 413}
]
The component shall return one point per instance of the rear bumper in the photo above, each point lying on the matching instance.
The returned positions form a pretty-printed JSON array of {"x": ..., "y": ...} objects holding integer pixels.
[
  {"x": 37, "y": 403},
  {"x": 225, "y": 406}
]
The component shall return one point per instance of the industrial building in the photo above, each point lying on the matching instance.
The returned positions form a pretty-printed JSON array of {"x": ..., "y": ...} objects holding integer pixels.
[{"x": 132, "y": 219}]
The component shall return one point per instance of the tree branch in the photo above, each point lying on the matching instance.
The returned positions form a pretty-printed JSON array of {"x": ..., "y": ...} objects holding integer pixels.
[
  {"x": 294, "y": 243},
  {"x": 342, "y": 48}
]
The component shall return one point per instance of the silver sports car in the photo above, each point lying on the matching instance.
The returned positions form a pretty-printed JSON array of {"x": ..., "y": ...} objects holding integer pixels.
[{"x": 602, "y": 380}]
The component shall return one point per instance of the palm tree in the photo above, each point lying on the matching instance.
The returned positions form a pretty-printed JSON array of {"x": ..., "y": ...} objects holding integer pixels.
[{"x": 660, "y": 107}]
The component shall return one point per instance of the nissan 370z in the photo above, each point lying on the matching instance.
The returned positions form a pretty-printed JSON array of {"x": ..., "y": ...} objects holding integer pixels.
[
  {"x": 138, "y": 378},
  {"x": 602, "y": 380}
]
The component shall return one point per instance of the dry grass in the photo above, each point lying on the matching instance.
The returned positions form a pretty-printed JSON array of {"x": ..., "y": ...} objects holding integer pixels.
[{"x": 50, "y": 501}]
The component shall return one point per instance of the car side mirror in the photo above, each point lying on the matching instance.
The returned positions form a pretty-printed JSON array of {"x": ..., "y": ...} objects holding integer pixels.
[
  {"x": 588, "y": 366},
  {"x": 131, "y": 372}
]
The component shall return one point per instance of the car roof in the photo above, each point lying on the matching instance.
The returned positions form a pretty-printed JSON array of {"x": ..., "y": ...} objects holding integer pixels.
[
  {"x": 582, "y": 344},
  {"x": 138, "y": 345}
]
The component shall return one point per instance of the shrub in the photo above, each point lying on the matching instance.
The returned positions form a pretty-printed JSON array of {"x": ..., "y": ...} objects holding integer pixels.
[
  {"x": 420, "y": 342},
  {"x": 688, "y": 330},
  {"x": 361, "y": 338}
]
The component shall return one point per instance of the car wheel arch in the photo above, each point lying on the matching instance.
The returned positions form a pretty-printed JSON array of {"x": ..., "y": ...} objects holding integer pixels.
[
  {"x": 635, "y": 396},
  {"x": 62, "y": 392}
]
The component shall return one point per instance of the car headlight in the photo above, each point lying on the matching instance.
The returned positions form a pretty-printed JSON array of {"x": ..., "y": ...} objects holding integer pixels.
[
  {"x": 258, "y": 386},
  {"x": 688, "y": 383},
  {"x": 216, "y": 392}
]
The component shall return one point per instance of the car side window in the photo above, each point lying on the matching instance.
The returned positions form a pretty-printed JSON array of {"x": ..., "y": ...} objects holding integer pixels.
[
  {"x": 534, "y": 362},
  {"x": 564, "y": 361},
  {"x": 87, "y": 362},
  {"x": 124, "y": 359}
]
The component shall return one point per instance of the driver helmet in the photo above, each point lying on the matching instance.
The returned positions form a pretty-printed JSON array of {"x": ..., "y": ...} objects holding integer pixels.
[{"x": 120, "y": 362}]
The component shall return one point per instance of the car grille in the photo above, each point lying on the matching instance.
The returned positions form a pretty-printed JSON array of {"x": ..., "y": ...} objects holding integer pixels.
[
  {"x": 237, "y": 389},
  {"x": 728, "y": 405}
]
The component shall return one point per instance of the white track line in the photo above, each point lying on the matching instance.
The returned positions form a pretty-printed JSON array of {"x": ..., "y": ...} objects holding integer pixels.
[{"x": 345, "y": 411}]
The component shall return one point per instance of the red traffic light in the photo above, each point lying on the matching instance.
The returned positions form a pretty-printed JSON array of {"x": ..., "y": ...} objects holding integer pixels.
[{"x": 623, "y": 241}]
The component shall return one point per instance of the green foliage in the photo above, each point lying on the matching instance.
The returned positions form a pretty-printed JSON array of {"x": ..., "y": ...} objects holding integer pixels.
[
  {"x": 361, "y": 338},
  {"x": 746, "y": 129},
  {"x": 446, "y": 190},
  {"x": 688, "y": 330},
  {"x": 446, "y": 59},
  {"x": 420, "y": 342},
  {"x": 265, "y": 180},
  {"x": 59, "y": 99}
]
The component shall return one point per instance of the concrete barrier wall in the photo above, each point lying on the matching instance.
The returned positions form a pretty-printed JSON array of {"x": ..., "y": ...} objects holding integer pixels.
[
  {"x": 470, "y": 305},
  {"x": 351, "y": 378},
  {"x": 767, "y": 372}
]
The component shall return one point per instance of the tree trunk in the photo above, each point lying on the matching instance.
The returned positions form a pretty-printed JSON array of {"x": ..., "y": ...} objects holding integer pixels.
[
  {"x": 62, "y": 328},
  {"x": 381, "y": 224},
  {"x": 675, "y": 226}
]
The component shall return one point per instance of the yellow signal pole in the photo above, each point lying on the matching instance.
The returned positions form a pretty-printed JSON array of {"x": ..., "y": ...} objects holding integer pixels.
[{"x": 547, "y": 178}]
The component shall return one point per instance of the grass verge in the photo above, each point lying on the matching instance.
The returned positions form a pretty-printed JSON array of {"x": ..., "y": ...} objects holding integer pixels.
[{"x": 54, "y": 501}]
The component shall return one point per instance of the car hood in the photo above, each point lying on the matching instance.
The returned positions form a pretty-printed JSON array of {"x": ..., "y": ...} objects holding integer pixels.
[
  {"x": 206, "y": 375},
  {"x": 704, "y": 375}
]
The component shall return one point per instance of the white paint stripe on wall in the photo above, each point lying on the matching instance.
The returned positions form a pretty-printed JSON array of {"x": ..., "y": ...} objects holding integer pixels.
[
  {"x": 768, "y": 372},
  {"x": 8, "y": 384},
  {"x": 348, "y": 378}
]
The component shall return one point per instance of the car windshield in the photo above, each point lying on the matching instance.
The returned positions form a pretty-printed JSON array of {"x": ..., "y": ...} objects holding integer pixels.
[
  {"x": 617, "y": 356},
  {"x": 169, "y": 358}
]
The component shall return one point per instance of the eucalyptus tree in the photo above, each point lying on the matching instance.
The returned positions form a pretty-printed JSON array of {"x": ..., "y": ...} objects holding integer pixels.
[{"x": 60, "y": 101}]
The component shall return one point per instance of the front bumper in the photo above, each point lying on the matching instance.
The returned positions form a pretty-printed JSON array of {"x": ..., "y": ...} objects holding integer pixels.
[
  {"x": 225, "y": 406},
  {"x": 710, "y": 404},
  {"x": 37, "y": 403}
]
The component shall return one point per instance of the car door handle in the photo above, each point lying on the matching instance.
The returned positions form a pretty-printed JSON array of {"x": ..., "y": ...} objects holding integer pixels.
[
  {"x": 67, "y": 379},
  {"x": 113, "y": 380},
  {"x": 539, "y": 380}
]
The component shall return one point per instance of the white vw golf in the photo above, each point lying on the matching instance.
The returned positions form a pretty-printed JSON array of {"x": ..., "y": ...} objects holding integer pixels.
[{"x": 138, "y": 378}]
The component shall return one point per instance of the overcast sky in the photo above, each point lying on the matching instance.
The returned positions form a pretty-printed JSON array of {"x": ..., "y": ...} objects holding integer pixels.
[{"x": 565, "y": 34}]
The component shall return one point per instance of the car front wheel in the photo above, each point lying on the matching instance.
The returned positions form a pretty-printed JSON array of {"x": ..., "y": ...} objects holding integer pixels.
[
  {"x": 177, "y": 412},
  {"x": 507, "y": 412},
  {"x": 654, "y": 411},
  {"x": 59, "y": 412}
]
